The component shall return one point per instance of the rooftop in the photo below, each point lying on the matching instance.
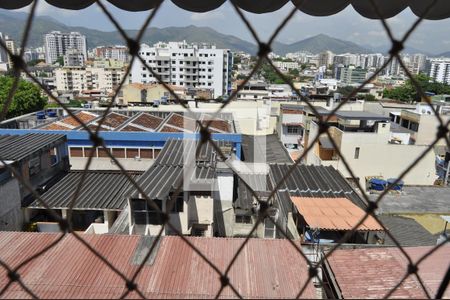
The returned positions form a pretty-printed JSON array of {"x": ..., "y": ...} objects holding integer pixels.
[
  {"x": 70, "y": 270},
  {"x": 314, "y": 181},
  {"x": 333, "y": 214},
  {"x": 101, "y": 190},
  {"x": 275, "y": 152},
  {"x": 416, "y": 199},
  {"x": 142, "y": 121},
  {"x": 382, "y": 268},
  {"x": 171, "y": 166},
  {"x": 360, "y": 115},
  {"x": 406, "y": 231},
  {"x": 17, "y": 147}
]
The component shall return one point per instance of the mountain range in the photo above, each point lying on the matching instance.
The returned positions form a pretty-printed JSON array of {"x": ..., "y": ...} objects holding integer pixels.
[{"x": 12, "y": 24}]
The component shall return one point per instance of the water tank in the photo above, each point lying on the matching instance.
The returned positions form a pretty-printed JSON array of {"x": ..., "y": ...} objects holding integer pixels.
[
  {"x": 40, "y": 115},
  {"x": 51, "y": 114},
  {"x": 377, "y": 184},
  {"x": 398, "y": 186}
]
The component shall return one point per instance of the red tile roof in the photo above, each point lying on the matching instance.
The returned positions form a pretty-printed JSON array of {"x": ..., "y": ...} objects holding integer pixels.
[
  {"x": 56, "y": 126},
  {"x": 170, "y": 129},
  {"x": 84, "y": 117},
  {"x": 182, "y": 122},
  {"x": 266, "y": 268},
  {"x": 114, "y": 120},
  {"x": 333, "y": 214},
  {"x": 148, "y": 121},
  {"x": 372, "y": 273},
  {"x": 130, "y": 127}
]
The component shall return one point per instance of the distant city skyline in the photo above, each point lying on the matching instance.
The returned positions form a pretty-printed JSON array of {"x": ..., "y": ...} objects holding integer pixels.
[{"x": 430, "y": 37}]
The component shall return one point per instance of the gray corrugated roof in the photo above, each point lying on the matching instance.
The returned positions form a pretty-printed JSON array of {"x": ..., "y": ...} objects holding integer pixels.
[
  {"x": 406, "y": 231},
  {"x": 175, "y": 150},
  {"x": 258, "y": 183},
  {"x": 274, "y": 152},
  {"x": 101, "y": 190},
  {"x": 17, "y": 147},
  {"x": 314, "y": 181},
  {"x": 166, "y": 173}
]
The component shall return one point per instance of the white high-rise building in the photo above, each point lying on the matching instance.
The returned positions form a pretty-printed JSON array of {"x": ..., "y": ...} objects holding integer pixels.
[
  {"x": 3, "y": 52},
  {"x": 187, "y": 65},
  {"x": 57, "y": 44},
  {"x": 326, "y": 58},
  {"x": 440, "y": 70}
]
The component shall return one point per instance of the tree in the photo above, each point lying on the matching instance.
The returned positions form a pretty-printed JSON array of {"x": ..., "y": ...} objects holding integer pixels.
[
  {"x": 407, "y": 91},
  {"x": 27, "y": 97}
]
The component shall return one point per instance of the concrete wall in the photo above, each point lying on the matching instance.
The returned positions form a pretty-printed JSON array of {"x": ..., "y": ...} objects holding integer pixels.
[
  {"x": 11, "y": 217},
  {"x": 379, "y": 158}
]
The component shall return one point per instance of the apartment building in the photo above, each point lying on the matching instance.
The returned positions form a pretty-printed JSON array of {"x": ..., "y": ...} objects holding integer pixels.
[
  {"x": 4, "y": 57},
  {"x": 351, "y": 74},
  {"x": 77, "y": 79},
  {"x": 295, "y": 119},
  {"x": 440, "y": 70},
  {"x": 57, "y": 44},
  {"x": 119, "y": 53},
  {"x": 73, "y": 58},
  {"x": 421, "y": 121},
  {"x": 186, "y": 65},
  {"x": 286, "y": 65},
  {"x": 366, "y": 142}
]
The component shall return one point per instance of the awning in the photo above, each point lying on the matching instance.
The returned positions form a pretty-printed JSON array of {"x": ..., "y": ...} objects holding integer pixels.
[
  {"x": 325, "y": 143},
  {"x": 334, "y": 214},
  {"x": 388, "y": 8}
]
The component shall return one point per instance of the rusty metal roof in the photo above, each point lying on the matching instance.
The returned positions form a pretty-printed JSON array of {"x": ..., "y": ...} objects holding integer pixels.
[
  {"x": 372, "y": 273},
  {"x": 333, "y": 214},
  {"x": 266, "y": 268}
]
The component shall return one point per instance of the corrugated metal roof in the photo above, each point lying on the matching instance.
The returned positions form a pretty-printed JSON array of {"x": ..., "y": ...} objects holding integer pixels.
[
  {"x": 314, "y": 181},
  {"x": 406, "y": 231},
  {"x": 333, "y": 214},
  {"x": 101, "y": 190},
  {"x": 17, "y": 147},
  {"x": 274, "y": 151},
  {"x": 169, "y": 168},
  {"x": 372, "y": 273},
  {"x": 266, "y": 268}
]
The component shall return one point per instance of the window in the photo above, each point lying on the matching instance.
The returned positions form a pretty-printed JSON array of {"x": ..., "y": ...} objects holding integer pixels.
[
  {"x": 34, "y": 165},
  {"x": 54, "y": 158},
  {"x": 144, "y": 213},
  {"x": 414, "y": 126},
  {"x": 243, "y": 219},
  {"x": 293, "y": 130},
  {"x": 356, "y": 152}
]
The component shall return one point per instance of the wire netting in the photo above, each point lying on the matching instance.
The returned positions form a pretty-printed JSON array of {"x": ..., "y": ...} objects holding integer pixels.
[{"x": 133, "y": 43}]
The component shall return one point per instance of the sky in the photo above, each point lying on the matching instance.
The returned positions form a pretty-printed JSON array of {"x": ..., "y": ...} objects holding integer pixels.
[{"x": 431, "y": 36}]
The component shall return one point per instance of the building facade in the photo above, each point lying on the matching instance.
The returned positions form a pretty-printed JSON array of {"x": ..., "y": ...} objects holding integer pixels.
[
  {"x": 440, "y": 70},
  {"x": 57, "y": 44},
  {"x": 77, "y": 79},
  {"x": 119, "y": 53},
  {"x": 186, "y": 65}
]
